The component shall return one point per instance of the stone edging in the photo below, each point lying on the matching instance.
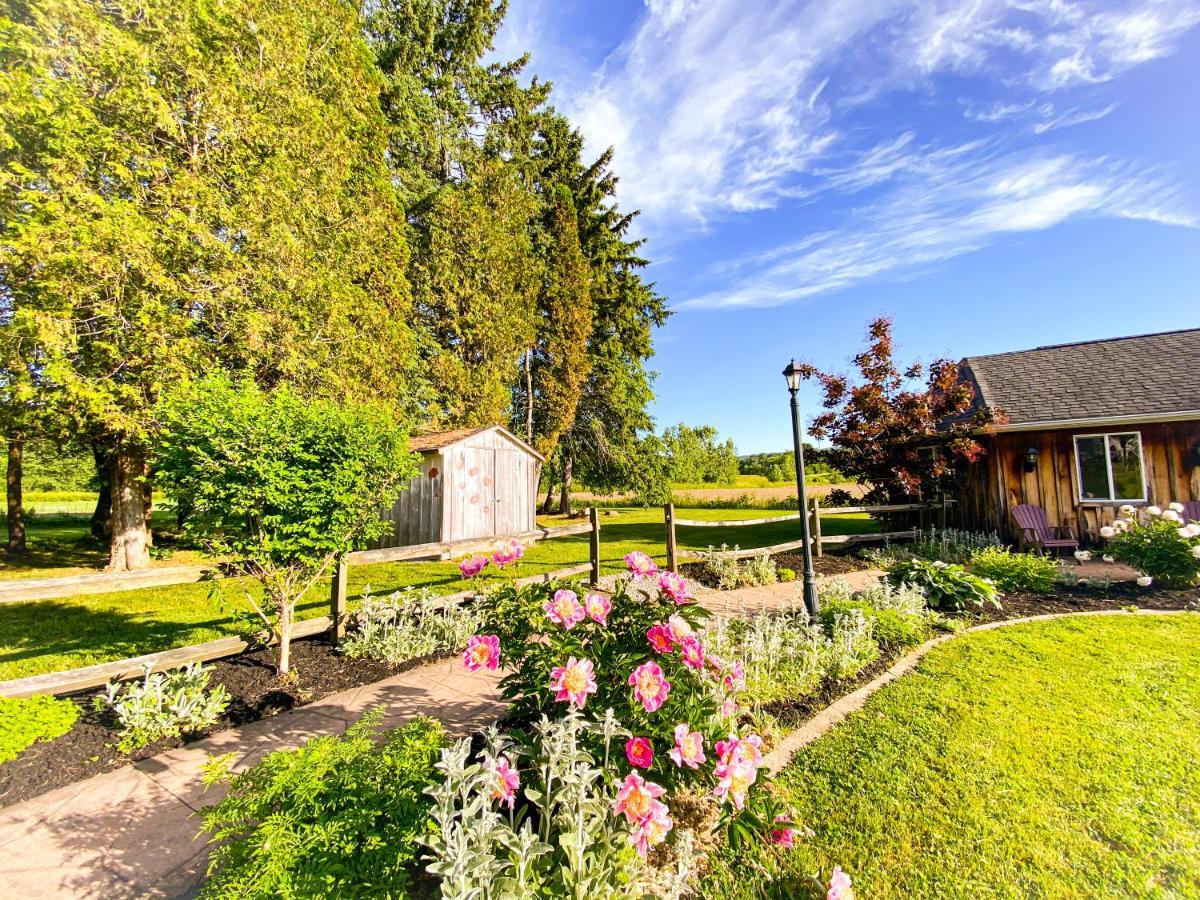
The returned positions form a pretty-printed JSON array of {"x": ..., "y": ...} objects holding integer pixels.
[{"x": 824, "y": 721}]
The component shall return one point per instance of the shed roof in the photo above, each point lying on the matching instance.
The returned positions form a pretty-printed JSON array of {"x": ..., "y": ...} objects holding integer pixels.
[
  {"x": 1146, "y": 377},
  {"x": 438, "y": 440}
]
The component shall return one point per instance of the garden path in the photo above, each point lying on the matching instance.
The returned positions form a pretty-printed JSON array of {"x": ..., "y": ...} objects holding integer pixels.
[{"x": 133, "y": 832}]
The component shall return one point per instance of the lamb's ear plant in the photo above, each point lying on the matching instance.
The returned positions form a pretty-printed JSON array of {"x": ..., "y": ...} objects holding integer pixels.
[
  {"x": 163, "y": 704},
  {"x": 408, "y": 625}
]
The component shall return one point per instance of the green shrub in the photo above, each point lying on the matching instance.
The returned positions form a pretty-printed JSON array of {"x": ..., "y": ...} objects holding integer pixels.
[
  {"x": 891, "y": 628},
  {"x": 1028, "y": 572},
  {"x": 1158, "y": 545},
  {"x": 946, "y": 585},
  {"x": 29, "y": 719},
  {"x": 338, "y": 817},
  {"x": 786, "y": 575}
]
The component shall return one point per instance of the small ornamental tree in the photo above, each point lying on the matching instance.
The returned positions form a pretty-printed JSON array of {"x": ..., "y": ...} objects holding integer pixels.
[
  {"x": 280, "y": 484},
  {"x": 899, "y": 431}
]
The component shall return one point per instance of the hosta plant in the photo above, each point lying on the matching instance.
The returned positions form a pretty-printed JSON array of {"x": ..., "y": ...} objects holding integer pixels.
[
  {"x": 163, "y": 704},
  {"x": 1158, "y": 543},
  {"x": 946, "y": 585}
]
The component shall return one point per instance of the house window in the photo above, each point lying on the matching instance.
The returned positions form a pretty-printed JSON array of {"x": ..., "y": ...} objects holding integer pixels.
[{"x": 1110, "y": 467}]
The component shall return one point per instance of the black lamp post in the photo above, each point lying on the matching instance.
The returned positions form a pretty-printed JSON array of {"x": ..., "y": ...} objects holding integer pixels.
[{"x": 793, "y": 375}]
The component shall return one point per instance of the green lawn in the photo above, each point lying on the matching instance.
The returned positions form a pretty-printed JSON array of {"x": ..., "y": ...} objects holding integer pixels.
[
  {"x": 47, "y": 636},
  {"x": 1052, "y": 759}
]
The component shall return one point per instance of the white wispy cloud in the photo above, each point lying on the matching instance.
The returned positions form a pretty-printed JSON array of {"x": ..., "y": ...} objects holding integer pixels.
[
  {"x": 939, "y": 211},
  {"x": 720, "y": 109}
]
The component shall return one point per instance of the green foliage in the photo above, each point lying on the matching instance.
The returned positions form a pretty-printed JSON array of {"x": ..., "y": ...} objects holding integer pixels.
[
  {"x": 24, "y": 721},
  {"x": 51, "y": 469},
  {"x": 780, "y": 468},
  {"x": 1015, "y": 572},
  {"x": 163, "y": 704},
  {"x": 724, "y": 567},
  {"x": 408, "y": 625},
  {"x": 280, "y": 482},
  {"x": 946, "y": 585},
  {"x": 1156, "y": 546},
  {"x": 786, "y": 575},
  {"x": 891, "y": 628},
  {"x": 339, "y": 816},
  {"x": 698, "y": 455}
]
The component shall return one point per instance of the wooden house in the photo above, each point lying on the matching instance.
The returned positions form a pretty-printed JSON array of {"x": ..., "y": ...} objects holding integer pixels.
[
  {"x": 474, "y": 483},
  {"x": 1090, "y": 426}
]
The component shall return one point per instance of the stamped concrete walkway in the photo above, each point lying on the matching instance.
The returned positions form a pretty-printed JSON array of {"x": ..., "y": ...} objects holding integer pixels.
[{"x": 133, "y": 833}]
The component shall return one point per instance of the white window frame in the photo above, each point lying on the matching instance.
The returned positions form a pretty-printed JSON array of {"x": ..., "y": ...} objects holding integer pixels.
[{"x": 1108, "y": 468}]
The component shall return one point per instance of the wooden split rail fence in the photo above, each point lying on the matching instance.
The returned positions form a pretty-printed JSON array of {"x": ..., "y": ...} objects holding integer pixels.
[
  {"x": 334, "y": 624},
  {"x": 819, "y": 542}
]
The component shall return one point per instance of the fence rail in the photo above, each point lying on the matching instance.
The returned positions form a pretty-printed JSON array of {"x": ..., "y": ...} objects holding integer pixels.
[
  {"x": 334, "y": 624},
  {"x": 819, "y": 542}
]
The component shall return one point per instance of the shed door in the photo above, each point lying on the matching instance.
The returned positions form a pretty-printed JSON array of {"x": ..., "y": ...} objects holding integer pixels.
[
  {"x": 475, "y": 507},
  {"x": 512, "y": 491}
]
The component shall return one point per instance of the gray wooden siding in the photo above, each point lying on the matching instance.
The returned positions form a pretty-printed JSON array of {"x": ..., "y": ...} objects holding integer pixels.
[{"x": 417, "y": 516}]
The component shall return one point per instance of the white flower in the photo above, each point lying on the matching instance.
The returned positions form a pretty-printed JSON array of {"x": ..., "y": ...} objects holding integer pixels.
[
  {"x": 1107, "y": 558},
  {"x": 1171, "y": 516},
  {"x": 1145, "y": 581},
  {"x": 1121, "y": 525},
  {"x": 1108, "y": 531},
  {"x": 1196, "y": 551},
  {"x": 1185, "y": 532},
  {"x": 1126, "y": 510},
  {"x": 1175, "y": 507},
  {"x": 1192, "y": 529},
  {"x": 1083, "y": 555},
  {"x": 1153, "y": 511}
]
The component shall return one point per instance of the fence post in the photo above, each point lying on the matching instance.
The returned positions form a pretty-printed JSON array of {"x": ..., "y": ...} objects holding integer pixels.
[
  {"x": 672, "y": 551},
  {"x": 594, "y": 544},
  {"x": 337, "y": 601},
  {"x": 816, "y": 527}
]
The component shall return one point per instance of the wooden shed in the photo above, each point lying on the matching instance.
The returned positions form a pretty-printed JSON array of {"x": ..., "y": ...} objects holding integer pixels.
[
  {"x": 474, "y": 483},
  {"x": 1090, "y": 426}
]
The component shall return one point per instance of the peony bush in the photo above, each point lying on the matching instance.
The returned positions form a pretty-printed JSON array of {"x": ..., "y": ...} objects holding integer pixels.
[{"x": 1156, "y": 542}]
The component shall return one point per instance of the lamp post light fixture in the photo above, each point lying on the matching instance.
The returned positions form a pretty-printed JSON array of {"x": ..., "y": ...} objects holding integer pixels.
[{"x": 793, "y": 375}]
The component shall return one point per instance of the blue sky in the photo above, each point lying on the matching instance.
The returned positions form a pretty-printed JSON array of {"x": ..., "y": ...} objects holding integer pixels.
[{"x": 991, "y": 175}]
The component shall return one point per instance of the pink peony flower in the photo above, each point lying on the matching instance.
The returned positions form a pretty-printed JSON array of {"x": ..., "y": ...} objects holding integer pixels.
[
  {"x": 507, "y": 782},
  {"x": 735, "y": 678},
  {"x": 673, "y": 585},
  {"x": 639, "y": 752},
  {"x": 640, "y": 564},
  {"x": 574, "y": 681},
  {"x": 472, "y": 566},
  {"x": 785, "y": 837},
  {"x": 565, "y": 609},
  {"x": 737, "y": 749},
  {"x": 692, "y": 652},
  {"x": 653, "y": 828},
  {"x": 839, "y": 886},
  {"x": 508, "y": 553},
  {"x": 729, "y": 708},
  {"x": 483, "y": 652},
  {"x": 636, "y": 797},
  {"x": 689, "y": 747},
  {"x": 650, "y": 688},
  {"x": 661, "y": 638},
  {"x": 679, "y": 627},
  {"x": 734, "y": 781},
  {"x": 597, "y": 607}
]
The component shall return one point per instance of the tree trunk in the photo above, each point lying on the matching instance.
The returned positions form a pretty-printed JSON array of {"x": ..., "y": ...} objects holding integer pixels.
[
  {"x": 16, "y": 502},
  {"x": 529, "y": 395},
  {"x": 100, "y": 516},
  {"x": 129, "y": 544},
  {"x": 548, "y": 503},
  {"x": 285, "y": 637},
  {"x": 564, "y": 499},
  {"x": 147, "y": 501}
]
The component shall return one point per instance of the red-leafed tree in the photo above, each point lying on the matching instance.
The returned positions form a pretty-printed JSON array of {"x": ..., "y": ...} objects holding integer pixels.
[{"x": 901, "y": 432}]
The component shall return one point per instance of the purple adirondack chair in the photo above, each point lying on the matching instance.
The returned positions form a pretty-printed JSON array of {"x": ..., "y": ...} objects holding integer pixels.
[
  {"x": 1191, "y": 511},
  {"x": 1032, "y": 519}
]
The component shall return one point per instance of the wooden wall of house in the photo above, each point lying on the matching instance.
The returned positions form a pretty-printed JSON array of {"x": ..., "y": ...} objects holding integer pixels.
[{"x": 998, "y": 482}]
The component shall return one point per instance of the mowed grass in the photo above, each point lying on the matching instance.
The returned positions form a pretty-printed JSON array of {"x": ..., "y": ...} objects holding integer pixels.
[
  {"x": 1051, "y": 759},
  {"x": 51, "y": 635}
]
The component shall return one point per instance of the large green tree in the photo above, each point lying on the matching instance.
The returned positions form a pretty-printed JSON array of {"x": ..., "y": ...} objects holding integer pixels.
[{"x": 188, "y": 185}]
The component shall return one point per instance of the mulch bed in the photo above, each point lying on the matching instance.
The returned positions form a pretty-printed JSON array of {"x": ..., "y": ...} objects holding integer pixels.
[
  {"x": 829, "y": 564},
  {"x": 255, "y": 693}
]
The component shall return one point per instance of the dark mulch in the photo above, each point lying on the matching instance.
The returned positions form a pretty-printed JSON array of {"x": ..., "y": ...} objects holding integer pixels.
[
  {"x": 829, "y": 564},
  {"x": 255, "y": 693}
]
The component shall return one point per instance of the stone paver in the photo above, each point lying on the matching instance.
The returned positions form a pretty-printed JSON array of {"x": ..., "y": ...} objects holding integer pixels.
[{"x": 133, "y": 832}]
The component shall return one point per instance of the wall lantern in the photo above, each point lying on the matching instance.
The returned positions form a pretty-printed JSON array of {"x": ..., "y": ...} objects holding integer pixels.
[
  {"x": 1196, "y": 454},
  {"x": 1031, "y": 458}
]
